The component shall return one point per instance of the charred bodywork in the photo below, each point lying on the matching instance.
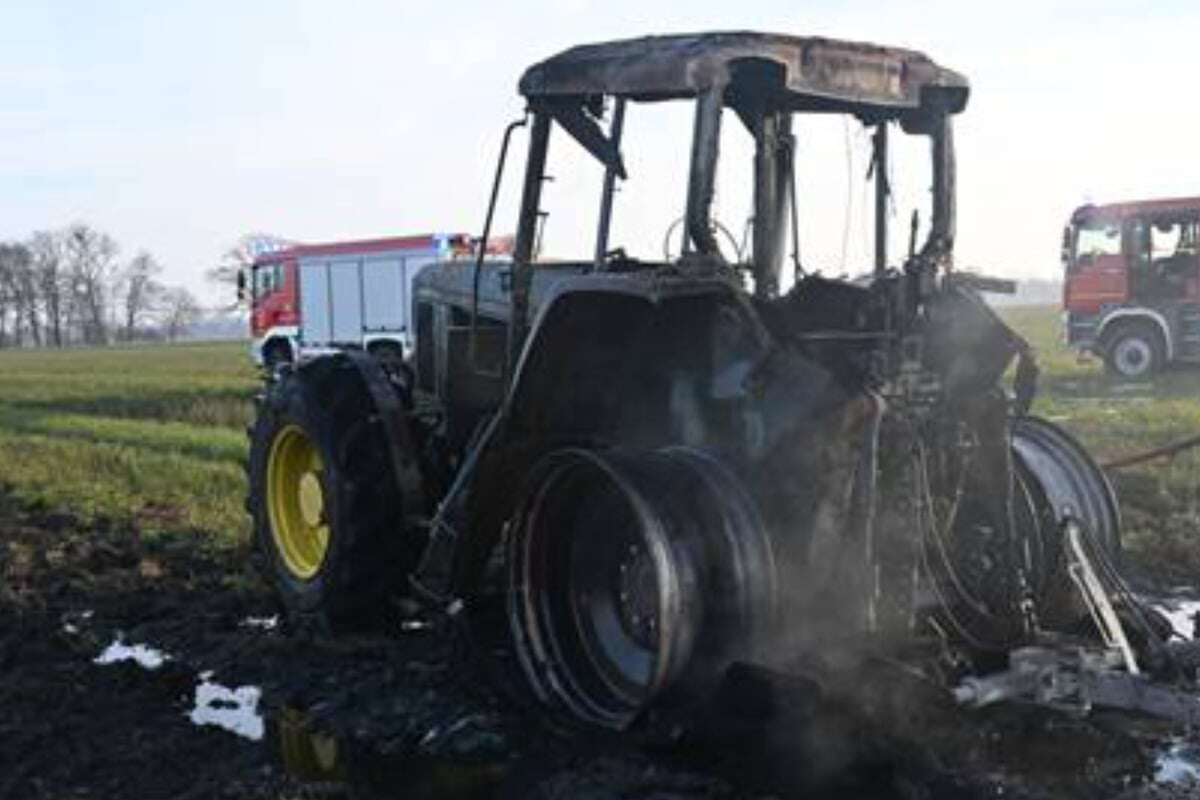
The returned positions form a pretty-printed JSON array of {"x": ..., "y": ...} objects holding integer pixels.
[
  {"x": 654, "y": 469},
  {"x": 711, "y": 471}
]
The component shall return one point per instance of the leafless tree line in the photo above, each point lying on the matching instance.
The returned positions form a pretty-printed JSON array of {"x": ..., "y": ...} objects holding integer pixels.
[{"x": 70, "y": 286}]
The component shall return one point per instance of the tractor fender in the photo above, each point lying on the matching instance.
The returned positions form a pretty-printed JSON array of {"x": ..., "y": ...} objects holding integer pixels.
[
  {"x": 579, "y": 290},
  {"x": 401, "y": 447},
  {"x": 286, "y": 335},
  {"x": 1150, "y": 315}
]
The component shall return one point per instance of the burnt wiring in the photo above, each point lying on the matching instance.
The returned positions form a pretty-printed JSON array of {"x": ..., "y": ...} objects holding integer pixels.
[
  {"x": 937, "y": 561},
  {"x": 938, "y": 532}
]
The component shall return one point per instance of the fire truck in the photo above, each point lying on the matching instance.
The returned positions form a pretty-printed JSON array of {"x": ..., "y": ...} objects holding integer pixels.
[
  {"x": 310, "y": 299},
  {"x": 1131, "y": 293}
]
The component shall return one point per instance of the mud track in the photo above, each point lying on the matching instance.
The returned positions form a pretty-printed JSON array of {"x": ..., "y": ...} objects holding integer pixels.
[{"x": 410, "y": 714}]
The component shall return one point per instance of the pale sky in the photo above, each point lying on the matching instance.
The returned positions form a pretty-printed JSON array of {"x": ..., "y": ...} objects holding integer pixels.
[{"x": 178, "y": 126}]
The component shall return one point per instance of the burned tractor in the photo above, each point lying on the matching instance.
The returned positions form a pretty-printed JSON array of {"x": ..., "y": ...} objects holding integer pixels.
[{"x": 628, "y": 474}]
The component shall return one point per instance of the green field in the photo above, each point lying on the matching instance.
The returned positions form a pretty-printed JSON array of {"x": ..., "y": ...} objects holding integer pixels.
[{"x": 153, "y": 437}]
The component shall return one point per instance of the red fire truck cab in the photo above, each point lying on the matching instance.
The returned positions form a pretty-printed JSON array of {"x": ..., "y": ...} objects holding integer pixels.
[
  {"x": 310, "y": 299},
  {"x": 1131, "y": 292}
]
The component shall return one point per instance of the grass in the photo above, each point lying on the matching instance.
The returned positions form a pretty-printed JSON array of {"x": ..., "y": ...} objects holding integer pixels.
[
  {"x": 1160, "y": 500},
  {"x": 151, "y": 437},
  {"x": 154, "y": 437}
]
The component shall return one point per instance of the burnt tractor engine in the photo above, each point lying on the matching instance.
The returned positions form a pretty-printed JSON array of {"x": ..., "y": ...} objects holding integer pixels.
[{"x": 630, "y": 474}]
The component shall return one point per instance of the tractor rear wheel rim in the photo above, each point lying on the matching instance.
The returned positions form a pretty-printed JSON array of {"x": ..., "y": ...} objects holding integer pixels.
[
  {"x": 622, "y": 567},
  {"x": 599, "y": 608},
  {"x": 296, "y": 502}
]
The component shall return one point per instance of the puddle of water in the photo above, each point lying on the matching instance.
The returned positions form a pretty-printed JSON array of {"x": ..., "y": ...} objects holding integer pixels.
[
  {"x": 146, "y": 656},
  {"x": 308, "y": 755},
  {"x": 235, "y": 710},
  {"x": 317, "y": 758},
  {"x": 1178, "y": 764}
]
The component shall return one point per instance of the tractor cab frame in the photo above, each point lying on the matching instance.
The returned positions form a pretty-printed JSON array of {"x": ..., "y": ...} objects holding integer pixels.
[{"x": 764, "y": 80}]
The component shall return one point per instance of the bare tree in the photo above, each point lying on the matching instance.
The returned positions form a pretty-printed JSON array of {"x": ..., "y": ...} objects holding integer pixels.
[
  {"x": 21, "y": 294},
  {"x": 139, "y": 290},
  {"x": 91, "y": 260},
  {"x": 179, "y": 311},
  {"x": 241, "y": 255},
  {"x": 6, "y": 302},
  {"x": 47, "y": 250},
  {"x": 29, "y": 295}
]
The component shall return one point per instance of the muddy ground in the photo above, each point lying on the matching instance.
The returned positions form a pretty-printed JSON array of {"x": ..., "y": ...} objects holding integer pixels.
[{"x": 409, "y": 714}]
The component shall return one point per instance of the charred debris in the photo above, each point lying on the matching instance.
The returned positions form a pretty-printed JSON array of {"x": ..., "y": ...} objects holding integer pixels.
[{"x": 627, "y": 475}]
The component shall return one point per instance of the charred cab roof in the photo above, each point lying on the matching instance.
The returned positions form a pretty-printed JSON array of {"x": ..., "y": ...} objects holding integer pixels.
[{"x": 798, "y": 73}]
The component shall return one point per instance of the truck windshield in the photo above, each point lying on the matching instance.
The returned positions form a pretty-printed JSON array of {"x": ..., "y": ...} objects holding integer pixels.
[
  {"x": 267, "y": 278},
  {"x": 1094, "y": 239}
]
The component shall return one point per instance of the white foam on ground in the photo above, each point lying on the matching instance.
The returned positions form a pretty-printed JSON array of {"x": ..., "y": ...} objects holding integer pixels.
[
  {"x": 1178, "y": 764},
  {"x": 144, "y": 655},
  {"x": 235, "y": 710},
  {"x": 1179, "y": 613},
  {"x": 70, "y": 620}
]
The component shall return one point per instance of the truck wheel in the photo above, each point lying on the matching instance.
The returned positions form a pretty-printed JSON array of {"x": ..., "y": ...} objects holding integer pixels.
[
  {"x": 324, "y": 499},
  {"x": 1134, "y": 351}
]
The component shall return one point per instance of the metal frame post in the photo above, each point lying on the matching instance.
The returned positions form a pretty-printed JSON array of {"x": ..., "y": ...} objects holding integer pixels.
[
  {"x": 522, "y": 269},
  {"x": 610, "y": 183},
  {"x": 880, "y": 140}
]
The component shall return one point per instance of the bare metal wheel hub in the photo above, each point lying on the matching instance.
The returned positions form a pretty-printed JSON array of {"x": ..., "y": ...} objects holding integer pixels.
[
  {"x": 623, "y": 569},
  {"x": 637, "y": 594}
]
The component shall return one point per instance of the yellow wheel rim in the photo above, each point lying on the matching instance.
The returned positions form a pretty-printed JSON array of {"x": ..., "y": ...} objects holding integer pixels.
[{"x": 296, "y": 502}]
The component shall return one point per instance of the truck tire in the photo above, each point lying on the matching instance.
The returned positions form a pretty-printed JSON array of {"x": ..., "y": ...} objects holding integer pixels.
[
  {"x": 1134, "y": 351},
  {"x": 324, "y": 500}
]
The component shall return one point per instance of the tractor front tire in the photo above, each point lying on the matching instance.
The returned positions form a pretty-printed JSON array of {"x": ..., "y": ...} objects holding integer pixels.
[{"x": 324, "y": 500}]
